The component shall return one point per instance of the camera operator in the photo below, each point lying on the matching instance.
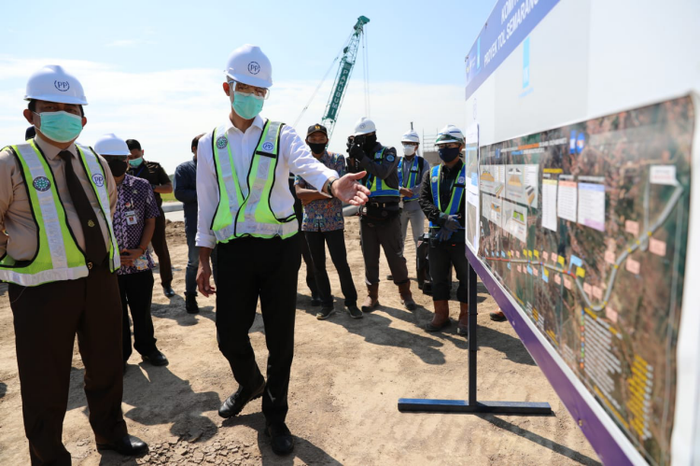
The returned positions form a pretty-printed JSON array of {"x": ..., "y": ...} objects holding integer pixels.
[{"x": 380, "y": 224}]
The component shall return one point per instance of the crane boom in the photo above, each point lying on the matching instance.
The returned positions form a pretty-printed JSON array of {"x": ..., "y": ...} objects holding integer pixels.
[{"x": 347, "y": 63}]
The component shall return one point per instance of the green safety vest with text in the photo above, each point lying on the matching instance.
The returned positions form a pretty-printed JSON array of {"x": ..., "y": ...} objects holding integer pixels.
[
  {"x": 238, "y": 216},
  {"x": 457, "y": 191},
  {"x": 378, "y": 186},
  {"x": 58, "y": 256}
]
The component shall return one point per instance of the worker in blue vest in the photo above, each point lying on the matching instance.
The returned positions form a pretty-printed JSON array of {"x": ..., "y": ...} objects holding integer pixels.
[
  {"x": 411, "y": 170},
  {"x": 442, "y": 201},
  {"x": 59, "y": 253},
  {"x": 246, "y": 210},
  {"x": 380, "y": 224}
]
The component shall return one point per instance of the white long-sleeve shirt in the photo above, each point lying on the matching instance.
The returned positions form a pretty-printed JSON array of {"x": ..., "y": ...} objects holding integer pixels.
[{"x": 294, "y": 156}]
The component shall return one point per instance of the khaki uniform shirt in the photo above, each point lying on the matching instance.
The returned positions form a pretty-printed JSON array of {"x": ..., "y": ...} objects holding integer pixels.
[{"x": 19, "y": 239}]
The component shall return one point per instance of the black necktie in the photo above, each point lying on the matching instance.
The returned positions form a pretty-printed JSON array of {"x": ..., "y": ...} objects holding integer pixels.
[{"x": 95, "y": 250}]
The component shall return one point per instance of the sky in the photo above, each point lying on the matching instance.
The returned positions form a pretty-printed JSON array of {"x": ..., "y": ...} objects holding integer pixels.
[{"x": 152, "y": 70}]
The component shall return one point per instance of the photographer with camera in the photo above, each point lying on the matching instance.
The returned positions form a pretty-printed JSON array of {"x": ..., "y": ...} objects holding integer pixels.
[{"x": 380, "y": 223}]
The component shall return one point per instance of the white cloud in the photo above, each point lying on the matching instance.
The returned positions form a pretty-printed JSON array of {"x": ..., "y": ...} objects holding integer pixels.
[{"x": 164, "y": 110}]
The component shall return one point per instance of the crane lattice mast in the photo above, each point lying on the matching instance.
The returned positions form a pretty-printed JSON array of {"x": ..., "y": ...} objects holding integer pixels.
[{"x": 347, "y": 64}]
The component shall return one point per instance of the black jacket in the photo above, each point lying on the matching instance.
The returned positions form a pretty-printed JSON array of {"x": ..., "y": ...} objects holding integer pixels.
[{"x": 186, "y": 192}]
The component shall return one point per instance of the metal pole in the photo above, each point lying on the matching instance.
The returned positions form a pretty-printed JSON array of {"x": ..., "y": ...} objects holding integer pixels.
[{"x": 472, "y": 335}]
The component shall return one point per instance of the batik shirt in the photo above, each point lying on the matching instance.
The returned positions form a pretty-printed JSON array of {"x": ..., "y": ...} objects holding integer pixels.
[
  {"x": 324, "y": 214},
  {"x": 135, "y": 204}
]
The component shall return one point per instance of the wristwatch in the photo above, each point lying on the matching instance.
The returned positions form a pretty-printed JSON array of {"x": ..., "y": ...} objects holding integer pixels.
[{"x": 330, "y": 184}]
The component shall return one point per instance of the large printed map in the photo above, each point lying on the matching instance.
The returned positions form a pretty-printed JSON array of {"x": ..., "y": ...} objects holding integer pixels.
[{"x": 586, "y": 226}]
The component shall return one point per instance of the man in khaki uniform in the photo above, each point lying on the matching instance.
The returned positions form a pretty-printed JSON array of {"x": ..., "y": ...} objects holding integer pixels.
[{"x": 58, "y": 253}]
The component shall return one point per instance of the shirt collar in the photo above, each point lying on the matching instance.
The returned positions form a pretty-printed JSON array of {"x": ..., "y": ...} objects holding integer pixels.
[
  {"x": 258, "y": 122},
  {"x": 51, "y": 151}
]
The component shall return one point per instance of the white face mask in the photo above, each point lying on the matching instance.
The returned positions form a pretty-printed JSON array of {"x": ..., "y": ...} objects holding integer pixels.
[{"x": 409, "y": 149}]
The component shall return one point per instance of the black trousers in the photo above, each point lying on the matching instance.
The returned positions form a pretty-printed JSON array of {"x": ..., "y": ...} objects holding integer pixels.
[
  {"x": 386, "y": 234},
  {"x": 248, "y": 269},
  {"x": 136, "y": 291},
  {"x": 441, "y": 257},
  {"x": 160, "y": 247},
  {"x": 317, "y": 241},
  {"x": 46, "y": 320}
]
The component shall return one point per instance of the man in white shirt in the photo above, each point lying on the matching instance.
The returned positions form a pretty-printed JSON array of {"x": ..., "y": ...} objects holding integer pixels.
[{"x": 245, "y": 206}]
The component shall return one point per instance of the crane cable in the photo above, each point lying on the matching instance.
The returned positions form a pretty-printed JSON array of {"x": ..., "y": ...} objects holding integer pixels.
[
  {"x": 342, "y": 49},
  {"x": 365, "y": 69}
]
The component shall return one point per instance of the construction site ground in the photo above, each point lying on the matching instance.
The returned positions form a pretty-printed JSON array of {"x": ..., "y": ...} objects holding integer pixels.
[{"x": 347, "y": 378}]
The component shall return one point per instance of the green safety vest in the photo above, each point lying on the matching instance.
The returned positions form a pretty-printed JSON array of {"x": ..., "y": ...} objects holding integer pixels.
[
  {"x": 58, "y": 256},
  {"x": 235, "y": 215},
  {"x": 378, "y": 186},
  {"x": 412, "y": 180},
  {"x": 457, "y": 192}
]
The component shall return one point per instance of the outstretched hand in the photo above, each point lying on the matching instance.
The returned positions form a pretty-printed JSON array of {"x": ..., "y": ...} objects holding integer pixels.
[{"x": 348, "y": 190}]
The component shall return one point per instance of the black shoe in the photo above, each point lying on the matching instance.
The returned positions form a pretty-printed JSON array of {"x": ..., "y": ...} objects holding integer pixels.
[
  {"x": 234, "y": 404},
  {"x": 437, "y": 328},
  {"x": 191, "y": 305},
  {"x": 498, "y": 316},
  {"x": 127, "y": 446},
  {"x": 315, "y": 300},
  {"x": 281, "y": 438},
  {"x": 390, "y": 277},
  {"x": 325, "y": 312},
  {"x": 156, "y": 358},
  {"x": 168, "y": 291},
  {"x": 355, "y": 312}
]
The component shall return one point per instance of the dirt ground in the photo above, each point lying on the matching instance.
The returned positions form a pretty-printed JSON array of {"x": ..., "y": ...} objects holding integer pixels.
[{"x": 347, "y": 377}]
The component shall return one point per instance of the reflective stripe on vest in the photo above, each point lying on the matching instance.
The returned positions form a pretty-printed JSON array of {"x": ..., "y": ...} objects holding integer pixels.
[
  {"x": 58, "y": 257},
  {"x": 377, "y": 186},
  {"x": 457, "y": 191},
  {"x": 97, "y": 176},
  {"x": 412, "y": 177},
  {"x": 253, "y": 214}
]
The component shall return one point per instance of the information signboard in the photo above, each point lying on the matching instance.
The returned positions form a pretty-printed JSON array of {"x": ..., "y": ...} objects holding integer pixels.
[{"x": 587, "y": 139}]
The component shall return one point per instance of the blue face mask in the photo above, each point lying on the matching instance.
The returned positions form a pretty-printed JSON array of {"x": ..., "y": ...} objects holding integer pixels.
[
  {"x": 448, "y": 154},
  {"x": 136, "y": 162},
  {"x": 60, "y": 126},
  {"x": 247, "y": 106}
]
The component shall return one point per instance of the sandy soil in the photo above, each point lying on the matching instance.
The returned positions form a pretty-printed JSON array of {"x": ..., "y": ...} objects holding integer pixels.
[{"x": 346, "y": 380}]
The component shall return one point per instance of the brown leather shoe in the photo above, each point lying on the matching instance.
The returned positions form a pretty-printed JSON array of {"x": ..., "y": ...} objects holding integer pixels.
[
  {"x": 441, "y": 318},
  {"x": 372, "y": 299},
  {"x": 406, "y": 296},
  {"x": 498, "y": 316}
]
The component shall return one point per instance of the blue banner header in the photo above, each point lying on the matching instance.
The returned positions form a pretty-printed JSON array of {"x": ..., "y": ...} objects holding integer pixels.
[{"x": 509, "y": 24}]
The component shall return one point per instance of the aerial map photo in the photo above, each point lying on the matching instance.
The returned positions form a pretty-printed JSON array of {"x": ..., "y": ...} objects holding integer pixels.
[{"x": 586, "y": 227}]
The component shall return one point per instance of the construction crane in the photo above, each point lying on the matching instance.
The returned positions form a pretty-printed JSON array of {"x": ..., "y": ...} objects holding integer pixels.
[{"x": 347, "y": 63}]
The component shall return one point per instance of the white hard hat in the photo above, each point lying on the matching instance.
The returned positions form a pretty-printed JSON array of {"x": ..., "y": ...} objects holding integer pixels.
[
  {"x": 54, "y": 84},
  {"x": 249, "y": 65},
  {"x": 364, "y": 126},
  {"x": 410, "y": 136},
  {"x": 110, "y": 144},
  {"x": 448, "y": 134}
]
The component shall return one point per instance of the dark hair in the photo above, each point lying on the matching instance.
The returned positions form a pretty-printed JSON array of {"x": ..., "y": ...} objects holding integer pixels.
[
  {"x": 195, "y": 141},
  {"x": 133, "y": 144},
  {"x": 32, "y": 107},
  {"x": 30, "y": 133}
]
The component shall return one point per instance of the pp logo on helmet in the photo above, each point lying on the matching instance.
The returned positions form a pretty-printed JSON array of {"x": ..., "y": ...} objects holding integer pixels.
[
  {"x": 41, "y": 183},
  {"x": 98, "y": 179},
  {"x": 268, "y": 146},
  {"x": 253, "y": 67},
  {"x": 362, "y": 126},
  {"x": 221, "y": 142},
  {"x": 62, "y": 86}
]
